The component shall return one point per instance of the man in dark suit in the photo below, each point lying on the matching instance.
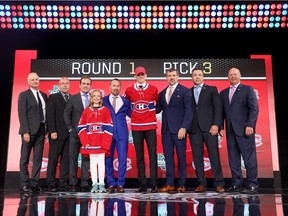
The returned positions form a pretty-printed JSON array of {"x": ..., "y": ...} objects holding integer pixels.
[
  {"x": 58, "y": 137},
  {"x": 32, "y": 117},
  {"x": 176, "y": 103},
  {"x": 72, "y": 115},
  {"x": 241, "y": 112},
  {"x": 120, "y": 136},
  {"x": 207, "y": 106}
]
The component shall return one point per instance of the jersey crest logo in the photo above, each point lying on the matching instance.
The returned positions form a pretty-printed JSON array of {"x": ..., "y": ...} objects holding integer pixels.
[
  {"x": 141, "y": 106},
  {"x": 95, "y": 128}
]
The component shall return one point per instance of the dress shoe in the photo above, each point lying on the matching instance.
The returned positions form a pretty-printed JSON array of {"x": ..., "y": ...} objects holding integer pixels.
[
  {"x": 63, "y": 188},
  {"x": 167, "y": 188},
  {"x": 250, "y": 190},
  {"x": 52, "y": 188},
  {"x": 86, "y": 188},
  {"x": 111, "y": 189},
  {"x": 200, "y": 189},
  {"x": 36, "y": 188},
  {"x": 181, "y": 189},
  {"x": 120, "y": 189},
  {"x": 142, "y": 189},
  {"x": 154, "y": 189},
  {"x": 219, "y": 189},
  {"x": 25, "y": 189},
  {"x": 73, "y": 188},
  {"x": 234, "y": 188}
]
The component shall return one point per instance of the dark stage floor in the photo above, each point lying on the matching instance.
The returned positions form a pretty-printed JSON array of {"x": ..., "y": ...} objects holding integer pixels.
[{"x": 268, "y": 202}]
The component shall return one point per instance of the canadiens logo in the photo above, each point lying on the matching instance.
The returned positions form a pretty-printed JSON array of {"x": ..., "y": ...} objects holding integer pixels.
[
  {"x": 141, "y": 106},
  {"x": 258, "y": 140},
  {"x": 207, "y": 165},
  {"x": 44, "y": 164},
  {"x": 94, "y": 128},
  {"x": 128, "y": 164}
]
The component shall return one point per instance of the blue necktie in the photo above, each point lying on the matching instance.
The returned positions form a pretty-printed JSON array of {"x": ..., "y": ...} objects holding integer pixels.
[
  {"x": 86, "y": 100},
  {"x": 197, "y": 93}
]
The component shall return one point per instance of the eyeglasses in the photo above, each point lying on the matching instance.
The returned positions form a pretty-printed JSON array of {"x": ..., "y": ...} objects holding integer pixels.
[{"x": 140, "y": 74}]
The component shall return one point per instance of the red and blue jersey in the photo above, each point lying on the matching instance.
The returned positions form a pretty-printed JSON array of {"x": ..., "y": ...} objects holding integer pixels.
[
  {"x": 96, "y": 129},
  {"x": 143, "y": 101}
]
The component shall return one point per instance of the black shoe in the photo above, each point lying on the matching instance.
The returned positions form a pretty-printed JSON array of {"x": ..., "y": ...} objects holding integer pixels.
[
  {"x": 25, "y": 189},
  {"x": 235, "y": 188},
  {"x": 86, "y": 188},
  {"x": 36, "y": 188},
  {"x": 52, "y": 188},
  {"x": 250, "y": 190},
  {"x": 73, "y": 188},
  {"x": 142, "y": 189},
  {"x": 64, "y": 188},
  {"x": 154, "y": 189}
]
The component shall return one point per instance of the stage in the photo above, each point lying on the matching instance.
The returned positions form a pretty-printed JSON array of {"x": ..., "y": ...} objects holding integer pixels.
[{"x": 270, "y": 202}]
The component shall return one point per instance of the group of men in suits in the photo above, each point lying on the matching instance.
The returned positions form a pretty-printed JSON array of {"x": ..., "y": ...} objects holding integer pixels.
[{"x": 199, "y": 112}]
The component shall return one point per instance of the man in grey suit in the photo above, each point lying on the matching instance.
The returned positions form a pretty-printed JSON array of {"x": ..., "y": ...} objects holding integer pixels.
[
  {"x": 241, "y": 112},
  {"x": 58, "y": 137},
  {"x": 176, "y": 103},
  {"x": 72, "y": 115},
  {"x": 31, "y": 112},
  {"x": 208, "y": 118}
]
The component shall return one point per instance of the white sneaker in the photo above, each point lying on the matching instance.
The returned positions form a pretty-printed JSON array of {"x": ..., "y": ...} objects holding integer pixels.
[
  {"x": 102, "y": 188},
  {"x": 94, "y": 188}
]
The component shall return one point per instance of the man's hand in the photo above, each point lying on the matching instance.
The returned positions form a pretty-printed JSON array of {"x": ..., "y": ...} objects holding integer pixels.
[
  {"x": 54, "y": 136},
  {"x": 214, "y": 130},
  {"x": 26, "y": 137},
  {"x": 222, "y": 133},
  {"x": 182, "y": 133},
  {"x": 249, "y": 131}
]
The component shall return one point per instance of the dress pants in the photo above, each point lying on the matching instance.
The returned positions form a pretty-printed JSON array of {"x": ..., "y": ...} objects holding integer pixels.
[
  {"x": 245, "y": 146},
  {"x": 197, "y": 141},
  {"x": 74, "y": 148},
  {"x": 151, "y": 140},
  {"x": 37, "y": 144},
  {"x": 121, "y": 145},
  {"x": 58, "y": 148},
  {"x": 170, "y": 142}
]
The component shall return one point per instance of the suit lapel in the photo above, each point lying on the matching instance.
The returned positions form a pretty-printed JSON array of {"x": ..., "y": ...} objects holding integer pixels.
[
  {"x": 80, "y": 100},
  {"x": 164, "y": 95},
  {"x": 235, "y": 95},
  {"x": 32, "y": 97}
]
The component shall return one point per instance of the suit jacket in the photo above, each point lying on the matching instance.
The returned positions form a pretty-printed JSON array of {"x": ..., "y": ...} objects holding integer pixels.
[
  {"x": 28, "y": 112},
  {"x": 119, "y": 119},
  {"x": 178, "y": 113},
  {"x": 72, "y": 113},
  {"x": 55, "y": 118},
  {"x": 243, "y": 110},
  {"x": 208, "y": 111}
]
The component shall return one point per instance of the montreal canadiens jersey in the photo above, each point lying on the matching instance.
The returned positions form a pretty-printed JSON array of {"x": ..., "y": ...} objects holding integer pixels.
[
  {"x": 143, "y": 101},
  {"x": 96, "y": 129}
]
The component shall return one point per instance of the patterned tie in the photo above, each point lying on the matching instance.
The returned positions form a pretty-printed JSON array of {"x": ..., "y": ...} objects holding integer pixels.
[
  {"x": 231, "y": 93},
  {"x": 40, "y": 107},
  {"x": 169, "y": 94},
  {"x": 86, "y": 100},
  {"x": 197, "y": 93},
  {"x": 66, "y": 97},
  {"x": 114, "y": 103}
]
